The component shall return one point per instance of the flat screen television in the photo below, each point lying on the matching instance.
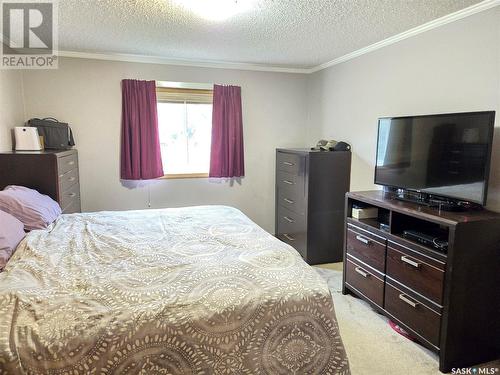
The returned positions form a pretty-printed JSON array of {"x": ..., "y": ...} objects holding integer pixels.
[{"x": 445, "y": 155}]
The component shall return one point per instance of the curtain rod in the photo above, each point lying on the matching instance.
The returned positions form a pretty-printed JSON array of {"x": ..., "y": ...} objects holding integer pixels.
[{"x": 185, "y": 85}]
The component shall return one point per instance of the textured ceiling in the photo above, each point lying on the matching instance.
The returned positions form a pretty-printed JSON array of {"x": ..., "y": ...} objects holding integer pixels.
[{"x": 287, "y": 33}]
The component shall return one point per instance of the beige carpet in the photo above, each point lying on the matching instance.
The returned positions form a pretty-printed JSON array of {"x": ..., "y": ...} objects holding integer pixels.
[{"x": 372, "y": 346}]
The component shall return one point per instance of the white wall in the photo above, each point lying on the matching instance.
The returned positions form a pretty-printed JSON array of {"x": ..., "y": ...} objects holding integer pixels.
[
  {"x": 86, "y": 93},
  {"x": 453, "y": 68},
  {"x": 11, "y": 105}
]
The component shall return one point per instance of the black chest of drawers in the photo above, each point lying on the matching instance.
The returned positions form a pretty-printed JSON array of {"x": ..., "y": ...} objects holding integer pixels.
[
  {"x": 310, "y": 193},
  {"x": 54, "y": 173}
]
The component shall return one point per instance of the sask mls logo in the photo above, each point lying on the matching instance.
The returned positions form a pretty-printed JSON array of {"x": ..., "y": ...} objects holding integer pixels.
[{"x": 29, "y": 38}]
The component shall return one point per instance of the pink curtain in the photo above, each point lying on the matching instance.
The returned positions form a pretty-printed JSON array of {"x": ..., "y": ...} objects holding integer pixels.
[
  {"x": 226, "y": 158},
  {"x": 140, "y": 148}
]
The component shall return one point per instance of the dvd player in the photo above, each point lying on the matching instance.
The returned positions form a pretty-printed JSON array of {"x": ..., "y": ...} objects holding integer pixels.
[{"x": 436, "y": 242}]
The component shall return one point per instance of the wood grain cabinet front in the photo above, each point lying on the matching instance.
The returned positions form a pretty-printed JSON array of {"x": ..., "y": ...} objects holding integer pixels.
[
  {"x": 423, "y": 274},
  {"x": 419, "y": 316},
  {"x": 366, "y": 246},
  {"x": 366, "y": 280}
]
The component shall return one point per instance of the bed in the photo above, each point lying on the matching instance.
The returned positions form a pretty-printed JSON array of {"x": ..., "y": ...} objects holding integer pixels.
[{"x": 198, "y": 290}]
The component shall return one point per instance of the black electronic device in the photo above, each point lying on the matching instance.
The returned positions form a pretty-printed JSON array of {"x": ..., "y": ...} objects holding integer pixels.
[
  {"x": 436, "y": 156},
  {"x": 436, "y": 242}
]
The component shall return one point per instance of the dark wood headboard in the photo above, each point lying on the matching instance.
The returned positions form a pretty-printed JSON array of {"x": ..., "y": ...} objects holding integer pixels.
[{"x": 34, "y": 169}]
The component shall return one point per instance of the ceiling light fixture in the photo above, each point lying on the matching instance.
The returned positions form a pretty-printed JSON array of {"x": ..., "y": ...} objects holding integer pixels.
[{"x": 216, "y": 10}]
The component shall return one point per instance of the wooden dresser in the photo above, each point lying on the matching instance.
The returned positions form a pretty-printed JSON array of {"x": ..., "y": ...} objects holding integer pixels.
[
  {"x": 54, "y": 173},
  {"x": 448, "y": 300},
  {"x": 310, "y": 191}
]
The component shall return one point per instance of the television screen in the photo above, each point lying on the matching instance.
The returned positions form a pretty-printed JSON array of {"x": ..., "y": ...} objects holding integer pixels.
[{"x": 446, "y": 155}]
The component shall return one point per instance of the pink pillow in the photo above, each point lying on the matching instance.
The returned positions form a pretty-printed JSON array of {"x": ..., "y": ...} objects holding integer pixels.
[
  {"x": 34, "y": 210},
  {"x": 11, "y": 233}
]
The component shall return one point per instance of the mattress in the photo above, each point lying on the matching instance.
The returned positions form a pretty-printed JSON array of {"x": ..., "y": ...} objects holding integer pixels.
[{"x": 196, "y": 290}]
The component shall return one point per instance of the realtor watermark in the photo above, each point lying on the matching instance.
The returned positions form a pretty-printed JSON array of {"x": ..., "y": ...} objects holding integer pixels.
[
  {"x": 29, "y": 34},
  {"x": 476, "y": 371}
]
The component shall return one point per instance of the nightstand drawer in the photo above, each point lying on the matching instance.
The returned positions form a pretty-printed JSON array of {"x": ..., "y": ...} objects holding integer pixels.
[
  {"x": 415, "y": 314},
  {"x": 68, "y": 179},
  {"x": 74, "y": 207},
  {"x": 366, "y": 246},
  {"x": 69, "y": 196},
  {"x": 366, "y": 280},
  {"x": 291, "y": 163},
  {"x": 418, "y": 272},
  {"x": 67, "y": 163}
]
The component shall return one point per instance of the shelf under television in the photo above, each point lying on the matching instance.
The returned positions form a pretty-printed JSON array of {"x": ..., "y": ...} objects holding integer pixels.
[{"x": 372, "y": 222}]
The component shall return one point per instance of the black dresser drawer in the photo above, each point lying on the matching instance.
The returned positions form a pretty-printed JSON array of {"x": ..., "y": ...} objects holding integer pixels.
[
  {"x": 291, "y": 163},
  {"x": 365, "y": 280},
  {"x": 292, "y": 201},
  {"x": 289, "y": 221},
  {"x": 418, "y": 272},
  {"x": 414, "y": 313},
  {"x": 291, "y": 183},
  {"x": 297, "y": 241},
  {"x": 366, "y": 246}
]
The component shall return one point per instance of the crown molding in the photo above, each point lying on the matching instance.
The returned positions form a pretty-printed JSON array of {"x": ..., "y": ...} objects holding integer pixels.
[
  {"x": 180, "y": 62},
  {"x": 469, "y": 11},
  {"x": 463, "y": 13}
]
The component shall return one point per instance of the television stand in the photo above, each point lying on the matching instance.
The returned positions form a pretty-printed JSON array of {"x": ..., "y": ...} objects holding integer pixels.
[{"x": 434, "y": 273}]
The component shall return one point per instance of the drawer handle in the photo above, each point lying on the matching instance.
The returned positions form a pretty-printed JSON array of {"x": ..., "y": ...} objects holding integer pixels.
[
  {"x": 71, "y": 162},
  {"x": 72, "y": 195},
  {"x": 288, "y": 163},
  {"x": 71, "y": 179},
  {"x": 288, "y": 182},
  {"x": 364, "y": 240},
  {"x": 288, "y": 237},
  {"x": 288, "y": 200},
  {"x": 288, "y": 219},
  {"x": 362, "y": 272},
  {"x": 410, "y": 261},
  {"x": 408, "y": 301}
]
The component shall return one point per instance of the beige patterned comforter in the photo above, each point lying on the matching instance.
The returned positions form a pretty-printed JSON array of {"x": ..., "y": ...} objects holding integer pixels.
[{"x": 200, "y": 290}]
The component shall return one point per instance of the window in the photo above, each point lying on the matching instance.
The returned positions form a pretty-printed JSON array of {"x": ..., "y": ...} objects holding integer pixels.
[{"x": 185, "y": 129}]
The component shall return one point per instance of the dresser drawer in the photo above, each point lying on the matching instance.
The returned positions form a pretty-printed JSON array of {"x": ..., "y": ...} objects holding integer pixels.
[
  {"x": 291, "y": 163},
  {"x": 366, "y": 280},
  {"x": 67, "y": 163},
  {"x": 289, "y": 221},
  {"x": 291, "y": 183},
  {"x": 74, "y": 206},
  {"x": 291, "y": 201},
  {"x": 366, "y": 246},
  {"x": 418, "y": 272},
  {"x": 415, "y": 314},
  {"x": 68, "y": 179},
  {"x": 69, "y": 196},
  {"x": 296, "y": 240}
]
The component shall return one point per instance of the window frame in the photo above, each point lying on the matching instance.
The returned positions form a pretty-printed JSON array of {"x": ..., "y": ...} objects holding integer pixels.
[{"x": 184, "y": 95}]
